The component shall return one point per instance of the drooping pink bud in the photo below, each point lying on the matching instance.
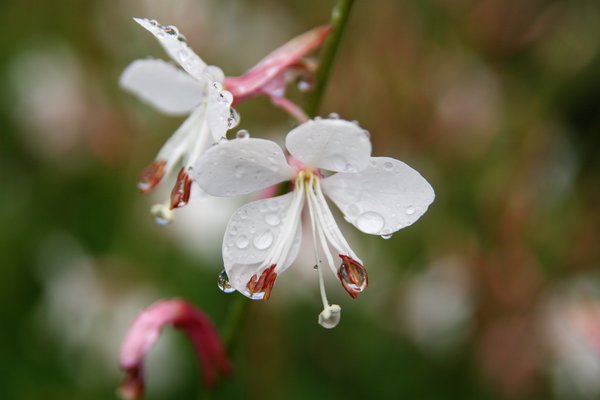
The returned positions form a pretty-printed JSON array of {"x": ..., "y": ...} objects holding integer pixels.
[
  {"x": 145, "y": 331},
  {"x": 272, "y": 73}
]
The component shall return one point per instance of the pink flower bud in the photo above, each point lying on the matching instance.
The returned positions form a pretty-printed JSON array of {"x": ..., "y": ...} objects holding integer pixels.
[{"x": 145, "y": 331}]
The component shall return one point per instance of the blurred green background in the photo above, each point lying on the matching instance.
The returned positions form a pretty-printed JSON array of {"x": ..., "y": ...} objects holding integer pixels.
[{"x": 493, "y": 294}]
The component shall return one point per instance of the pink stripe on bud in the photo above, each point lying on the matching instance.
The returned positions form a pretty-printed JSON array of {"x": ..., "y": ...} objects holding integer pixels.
[{"x": 268, "y": 76}]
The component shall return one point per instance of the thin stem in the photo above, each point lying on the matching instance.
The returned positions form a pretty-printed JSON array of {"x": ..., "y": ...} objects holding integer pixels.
[
  {"x": 339, "y": 18},
  {"x": 234, "y": 320}
]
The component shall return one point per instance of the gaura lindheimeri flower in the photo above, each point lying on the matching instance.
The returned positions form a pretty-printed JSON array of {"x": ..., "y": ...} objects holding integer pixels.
[
  {"x": 197, "y": 90},
  {"x": 378, "y": 195},
  {"x": 145, "y": 331}
]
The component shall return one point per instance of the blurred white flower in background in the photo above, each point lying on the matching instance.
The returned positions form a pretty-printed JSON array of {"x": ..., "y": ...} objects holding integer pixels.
[
  {"x": 87, "y": 314},
  {"x": 438, "y": 305},
  {"x": 49, "y": 102},
  {"x": 571, "y": 327}
]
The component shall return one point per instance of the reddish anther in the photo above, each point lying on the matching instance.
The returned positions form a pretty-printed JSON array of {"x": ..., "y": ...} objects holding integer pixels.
[
  {"x": 151, "y": 176},
  {"x": 353, "y": 276},
  {"x": 264, "y": 284},
  {"x": 180, "y": 195}
]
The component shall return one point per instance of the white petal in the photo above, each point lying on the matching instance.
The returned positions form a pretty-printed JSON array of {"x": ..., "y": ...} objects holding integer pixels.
[
  {"x": 176, "y": 46},
  {"x": 252, "y": 235},
  {"x": 332, "y": 144},
  {"x": 241, "y": 166},
  {"x": 218, "y": 112},
  {"x": 383, "y": 198},
  {"x": 163, "y": 86}
]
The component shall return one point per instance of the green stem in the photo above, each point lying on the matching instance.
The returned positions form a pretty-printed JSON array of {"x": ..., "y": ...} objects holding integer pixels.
[
  {"x": 339, "y": 19},
  {"x": 234, "y": 320}
]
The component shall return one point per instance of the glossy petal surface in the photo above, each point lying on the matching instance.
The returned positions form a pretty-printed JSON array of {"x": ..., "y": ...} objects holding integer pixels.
[
  {"x": 386, "y": 196},
  {"x": 241, "y": 166},
  {"x": 251, "y": 235},
  {"x": 162, "y": 85},
  {"x": 332, "y": 144}
]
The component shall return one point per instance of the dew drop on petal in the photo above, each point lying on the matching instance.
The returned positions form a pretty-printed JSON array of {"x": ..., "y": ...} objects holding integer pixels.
[
  {"x": 272, "y": 219},
  {"x": 225, "y": 97},
  {"x": 410, "y": 210},
  {"x": 171, "y": 30},
  {"x": 234, "y": 118},
  {"x": 242, "y": 242},
  {"x": 242, "y": 134},
  {"x": 263, "y": 240},
  {"x": 370, "y": 222},
  {"x": 223, "y": 283}
]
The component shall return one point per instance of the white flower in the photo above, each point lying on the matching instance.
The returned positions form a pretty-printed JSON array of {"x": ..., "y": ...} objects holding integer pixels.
[
  {"x": 378, "y": 195},
  {"x": 196, "y": 90}
]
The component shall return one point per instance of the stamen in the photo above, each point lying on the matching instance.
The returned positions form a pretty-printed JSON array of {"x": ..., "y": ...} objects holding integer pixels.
[
  {"x": 353, "y": 276},
  {"x": 260, "y": 288},
  {"x": 182, "y": 189},
  {"x": 151, "y": 176}
]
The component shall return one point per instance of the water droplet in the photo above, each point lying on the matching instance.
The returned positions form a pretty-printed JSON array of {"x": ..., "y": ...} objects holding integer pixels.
[
  {"x": 184, "y": 54},
  {"x": 352, "y": 210},
  {"x": 242, "y": 134},
  {"x": 242, "y": 242},
  {"x": 370, "y": 222},
  {"x": 333, "y": 116},
  {"x": 388, "y": 165},
  {"x": 171, "y": 30},
  {"x": 234, "y": 118},
  {"x": 272, "y": 219},
  {"x": 410, "y": 210},
  {"x": 223, "y": 283},
  {"x": 304, "y": 85},
  {"x": 263, "y": 240},
  {"x": 225, "y": 97}
]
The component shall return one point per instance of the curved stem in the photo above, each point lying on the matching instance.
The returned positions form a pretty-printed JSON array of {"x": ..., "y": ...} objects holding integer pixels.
[{"x": 339, "y": 19}]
